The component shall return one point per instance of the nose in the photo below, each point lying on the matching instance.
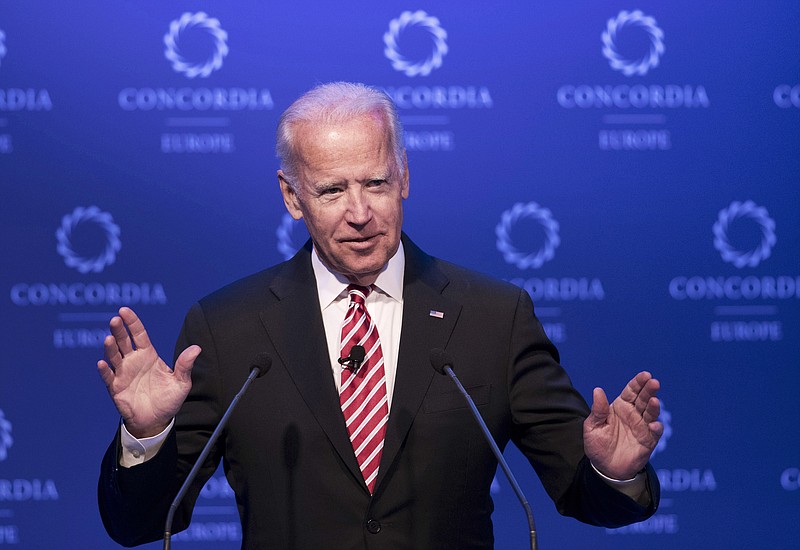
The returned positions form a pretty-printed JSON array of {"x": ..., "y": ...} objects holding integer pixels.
[{"x": 358, "y": 207}]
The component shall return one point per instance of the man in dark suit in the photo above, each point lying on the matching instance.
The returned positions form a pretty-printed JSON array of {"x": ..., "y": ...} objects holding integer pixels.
[{"x": 380, "y": 453}]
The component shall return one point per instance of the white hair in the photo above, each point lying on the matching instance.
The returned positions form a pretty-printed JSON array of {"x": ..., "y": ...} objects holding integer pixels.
[{"x": 333, "y": 103}]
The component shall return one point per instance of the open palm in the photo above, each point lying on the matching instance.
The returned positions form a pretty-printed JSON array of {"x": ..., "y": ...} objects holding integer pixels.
[{"x": 146, "y": 392}]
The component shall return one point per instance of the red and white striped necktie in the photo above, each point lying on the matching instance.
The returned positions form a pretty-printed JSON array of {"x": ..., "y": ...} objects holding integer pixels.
[{"x": 363, "y": 393}]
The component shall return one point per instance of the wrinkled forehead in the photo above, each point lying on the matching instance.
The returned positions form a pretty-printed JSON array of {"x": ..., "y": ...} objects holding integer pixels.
[
  {"x": 365, "y": 135},
  {"x": 370, "y": 125}
]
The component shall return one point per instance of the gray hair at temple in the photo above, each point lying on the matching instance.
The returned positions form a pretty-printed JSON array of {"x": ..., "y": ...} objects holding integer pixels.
[{"x": 333, "y": 103}]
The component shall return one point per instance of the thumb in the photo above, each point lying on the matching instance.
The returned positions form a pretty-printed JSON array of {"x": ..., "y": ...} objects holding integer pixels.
[
  {"x": 185, "y": 362},
  {"x": 600, "y": 408}
]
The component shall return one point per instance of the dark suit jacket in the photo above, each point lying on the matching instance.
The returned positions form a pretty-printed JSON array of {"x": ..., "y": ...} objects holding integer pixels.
[{"x": 286, "y": 451}]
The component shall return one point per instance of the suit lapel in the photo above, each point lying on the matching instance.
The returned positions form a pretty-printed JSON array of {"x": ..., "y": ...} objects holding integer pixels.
[
  {"x": 422, "y": 330},
  {"x": 295, "y": 313}
]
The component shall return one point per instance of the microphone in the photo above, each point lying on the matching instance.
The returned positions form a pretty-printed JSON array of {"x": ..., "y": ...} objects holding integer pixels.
[
  {"x": 354, "y": 360},
  {"x": 259, "y": 367},
  {"x": 442, "y": 362}
]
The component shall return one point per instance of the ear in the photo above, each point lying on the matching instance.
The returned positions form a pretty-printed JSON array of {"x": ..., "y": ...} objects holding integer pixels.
[
  {"x": 290, "y": 198},
  {"x": 404, "y": 183}
]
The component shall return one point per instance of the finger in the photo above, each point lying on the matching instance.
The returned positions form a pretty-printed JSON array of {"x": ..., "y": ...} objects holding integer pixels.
[
  {"x": 652, "y": 410},
  {"x": 112, "y": 353},
  {"x": 650, "y": 390},
  {"x": 647, "y": 394},
  {"x": 657, "y": 429},
  {"x": 105, "y": 373},
  {"x": 633, "y": 392},
  {"x": 600, "y": 408},
  {"x": 185, "y": 362},
  {"x": 136, "y": 327},
  {"x": 635, "y": 385},
  {"x": 121, "y": 335}
]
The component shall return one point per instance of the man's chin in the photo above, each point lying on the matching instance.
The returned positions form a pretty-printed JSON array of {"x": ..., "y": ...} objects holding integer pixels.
[{"x": 362, "y": 273}]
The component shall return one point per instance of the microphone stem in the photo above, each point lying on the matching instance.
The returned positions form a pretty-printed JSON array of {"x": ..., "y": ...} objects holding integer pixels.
[
  {"x": 500, "y": 459},
  {"x": 202, "y": 458}
]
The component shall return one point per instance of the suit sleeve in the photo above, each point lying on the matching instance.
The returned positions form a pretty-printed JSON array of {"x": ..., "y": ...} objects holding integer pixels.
[
  {"x": 548, "y": 415},
  {"x": 134, "y": 501}
]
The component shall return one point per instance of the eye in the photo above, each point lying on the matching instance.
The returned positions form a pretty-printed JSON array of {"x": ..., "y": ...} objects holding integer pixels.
[{"x": 376, "y": 183}]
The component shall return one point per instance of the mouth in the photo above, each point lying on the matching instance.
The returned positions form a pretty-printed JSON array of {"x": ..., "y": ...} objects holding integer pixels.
[
  {"x": 357, "y": 240},
  {"x": 360, "y": 243}
]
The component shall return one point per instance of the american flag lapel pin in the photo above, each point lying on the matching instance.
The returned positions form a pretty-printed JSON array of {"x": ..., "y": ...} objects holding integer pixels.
[{"x": 437, "y": 314}]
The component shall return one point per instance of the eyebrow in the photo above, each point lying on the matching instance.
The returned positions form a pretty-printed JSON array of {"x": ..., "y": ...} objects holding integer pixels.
[
  {"x": 323, "y": 184},
  {"x": 327, "y": 184}
]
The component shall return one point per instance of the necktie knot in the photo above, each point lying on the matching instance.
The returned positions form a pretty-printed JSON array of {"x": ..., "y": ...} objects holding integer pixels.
[{"x": 358, "y": 294}]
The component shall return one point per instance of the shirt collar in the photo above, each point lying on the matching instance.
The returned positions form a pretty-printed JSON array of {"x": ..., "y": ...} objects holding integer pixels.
[{"x": 330, "y": 285}]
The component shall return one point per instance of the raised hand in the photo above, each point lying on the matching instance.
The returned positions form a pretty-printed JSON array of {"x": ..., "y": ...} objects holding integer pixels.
[
  {"x": 146, "y": 392},
  {"x": 619, "y": 438}
]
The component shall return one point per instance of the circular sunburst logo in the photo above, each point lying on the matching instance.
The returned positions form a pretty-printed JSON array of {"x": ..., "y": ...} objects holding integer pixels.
[
  {"x": 83, "y": 218},
  {"x": 186, "y": 23},
  {"x": 511, "y": 252},
  {"x": 291, "y": 235},
  {"x": 636, "y": 66},
  {"x": 392, "y": 39},
  {"x": 665, "y": 417},
  {"x": 5, "y": 436},
  {"x": 2, "y": 45},
  {"x": 728, "y": 216}
]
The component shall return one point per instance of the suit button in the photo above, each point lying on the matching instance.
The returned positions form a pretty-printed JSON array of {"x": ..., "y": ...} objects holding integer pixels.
[{"x": 374, "y": 526}]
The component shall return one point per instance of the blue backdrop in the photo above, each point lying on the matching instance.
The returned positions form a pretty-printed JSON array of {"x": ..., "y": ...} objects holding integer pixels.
[{"x": 633, "y": 166}]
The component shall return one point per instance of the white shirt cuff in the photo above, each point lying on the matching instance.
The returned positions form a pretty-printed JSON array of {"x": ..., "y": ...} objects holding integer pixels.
[
  {"x": 138, "y": 451},
  {"x": 635, "y": 487}
]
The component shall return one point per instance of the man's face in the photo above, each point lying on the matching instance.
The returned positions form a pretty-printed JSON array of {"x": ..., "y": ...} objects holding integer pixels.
[{"x": 350, "y": 194}]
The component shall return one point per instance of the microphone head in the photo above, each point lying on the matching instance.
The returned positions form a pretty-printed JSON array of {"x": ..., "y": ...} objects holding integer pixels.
[
  {"x": 441, "y": 359},
  {"x": 262, "y": 362},
  {"x": 357, "y": 354}
]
